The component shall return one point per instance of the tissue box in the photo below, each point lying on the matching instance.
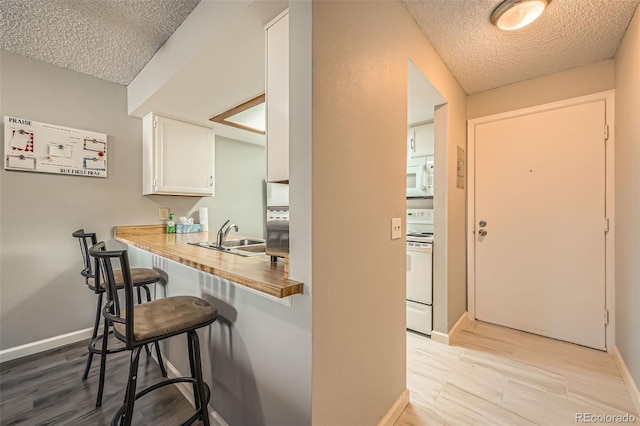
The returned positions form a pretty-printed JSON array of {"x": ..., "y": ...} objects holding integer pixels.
[{"x": 188, "y": 229}]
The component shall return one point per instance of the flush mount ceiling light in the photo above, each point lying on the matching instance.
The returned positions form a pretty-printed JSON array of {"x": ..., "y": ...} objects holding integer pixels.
[{"x": 514, "y": 14}]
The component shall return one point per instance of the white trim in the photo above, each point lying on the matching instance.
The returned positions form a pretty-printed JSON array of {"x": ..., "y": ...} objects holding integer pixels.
[
  {"x": 457, "y": 326},
  {"x": 632, "y": 387},
  {"x": 446, "y": 338},
  {"x": 45, "y": 344},
  {"x": 394, "y": 412},
  {"x": 276, "y": 19},
  {"x": 610, "y": 246},
  {"x": 608, "y": 97},
  {"x": 187, "y": 391},
  {"x": 438, "y": 336}
]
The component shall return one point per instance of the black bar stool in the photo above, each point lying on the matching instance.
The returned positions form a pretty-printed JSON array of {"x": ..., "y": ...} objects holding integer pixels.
[
  {"x": 149, "y": 323},
  {"x": 142, "y": 277}
]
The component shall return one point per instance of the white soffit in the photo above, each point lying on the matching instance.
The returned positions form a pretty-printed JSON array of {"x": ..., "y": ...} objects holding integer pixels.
[
  {"x": 570, "y": 33},
  {"x": 422, "y": 97},
  {"x": 108, "y": 39},
  {"x": 226, "y": 69}
]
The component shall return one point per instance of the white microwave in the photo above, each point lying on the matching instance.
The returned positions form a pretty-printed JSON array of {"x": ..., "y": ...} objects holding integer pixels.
[{"x": 420, "y": 177}]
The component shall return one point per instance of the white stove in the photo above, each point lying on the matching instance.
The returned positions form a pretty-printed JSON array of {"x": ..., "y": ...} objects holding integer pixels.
[
  {"x": 420, "y": 270},
  {"x": 420, "y": 225}
]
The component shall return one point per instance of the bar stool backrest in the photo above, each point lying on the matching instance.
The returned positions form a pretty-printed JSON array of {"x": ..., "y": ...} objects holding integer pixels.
[
  {"x": 86, "y": 240},
  {"x": 112, "y": 309}
]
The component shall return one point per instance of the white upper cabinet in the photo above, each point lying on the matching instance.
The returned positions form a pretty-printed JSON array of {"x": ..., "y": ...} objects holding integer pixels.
[
  {"x": 178, "y": 157},
  {"x": 420, "y": 140},
  {"x": 277, "y": 101}
]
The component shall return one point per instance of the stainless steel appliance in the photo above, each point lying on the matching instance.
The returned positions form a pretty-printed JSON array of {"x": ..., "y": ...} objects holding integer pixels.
[
  {"x": 420, "y": 270},
  {"x": 277, "y": 241}
]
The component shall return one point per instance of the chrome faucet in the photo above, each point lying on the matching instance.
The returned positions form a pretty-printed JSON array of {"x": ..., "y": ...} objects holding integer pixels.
[{"x": 223, "y": 232}]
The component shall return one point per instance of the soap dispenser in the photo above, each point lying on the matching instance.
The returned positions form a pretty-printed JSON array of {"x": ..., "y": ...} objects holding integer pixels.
[{"x": 171, "y": 225}]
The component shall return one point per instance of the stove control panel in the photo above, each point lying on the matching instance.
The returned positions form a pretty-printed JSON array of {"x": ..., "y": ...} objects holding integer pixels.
[{"x": 420, "y": 216}]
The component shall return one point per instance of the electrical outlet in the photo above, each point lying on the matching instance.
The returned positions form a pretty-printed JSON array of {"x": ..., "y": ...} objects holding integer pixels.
[
  {"x": 396, "y": 228},
  {"x": 163, "y": 213}
]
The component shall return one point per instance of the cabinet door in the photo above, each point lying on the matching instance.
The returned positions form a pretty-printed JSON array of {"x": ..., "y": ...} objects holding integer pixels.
[
  {"x": 277, "y": 100},
  {"x": 184, "y": 158},
  {"x": 420, "y": 140}
]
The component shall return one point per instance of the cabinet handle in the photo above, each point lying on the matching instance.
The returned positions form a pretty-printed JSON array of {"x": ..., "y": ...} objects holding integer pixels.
[
  {"x": 413, "y": 146},
  {"x": 210, "y": 180}
]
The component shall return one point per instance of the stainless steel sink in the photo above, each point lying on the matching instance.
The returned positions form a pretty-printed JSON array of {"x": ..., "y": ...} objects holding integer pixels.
[
  {"x": 241, "y": 247},
  {"x": 255, "y": 248},
  {"x": 242, "y": 242}
]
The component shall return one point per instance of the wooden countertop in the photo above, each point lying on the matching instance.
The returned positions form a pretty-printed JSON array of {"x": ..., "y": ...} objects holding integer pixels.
[{"x": 256, "y": 272}]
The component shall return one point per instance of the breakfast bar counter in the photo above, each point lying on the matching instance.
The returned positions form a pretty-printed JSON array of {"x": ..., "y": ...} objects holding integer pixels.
[{"x": 255, "y": 272}]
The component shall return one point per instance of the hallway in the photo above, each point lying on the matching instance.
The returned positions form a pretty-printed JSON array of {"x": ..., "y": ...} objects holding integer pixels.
[{"x": 493, "y": 375}]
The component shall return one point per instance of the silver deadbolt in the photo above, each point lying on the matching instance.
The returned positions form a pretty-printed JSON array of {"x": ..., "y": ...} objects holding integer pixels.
[
  {"x": 482, "y": 232},
  {"x": 482, "y": 223}
]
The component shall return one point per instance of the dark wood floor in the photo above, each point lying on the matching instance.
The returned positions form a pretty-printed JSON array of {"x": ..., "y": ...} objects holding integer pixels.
[{"x": 47, "y": 389}]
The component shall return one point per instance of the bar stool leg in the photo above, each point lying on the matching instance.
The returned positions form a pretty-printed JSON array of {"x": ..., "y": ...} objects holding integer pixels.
[
  {"x": 162, "y": 369},
  {"x": 96, "y": 324},
  {"x": 130, "y": 396},
  {"x": 192, "y": 368},
  {"x": 103, "y": 362},
  {"x": 199, "y": 381}
]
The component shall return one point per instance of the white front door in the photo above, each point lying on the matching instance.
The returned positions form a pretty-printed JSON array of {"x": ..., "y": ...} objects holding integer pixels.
[{"x": 540, "y": 195}]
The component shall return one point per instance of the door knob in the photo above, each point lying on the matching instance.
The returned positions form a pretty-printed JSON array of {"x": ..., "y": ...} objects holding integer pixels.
[
  {"x": 482, "y": 232},
  {"x": 482, "y": 223}
]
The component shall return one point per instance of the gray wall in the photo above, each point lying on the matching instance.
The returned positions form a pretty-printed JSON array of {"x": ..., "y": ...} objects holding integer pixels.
[
  {"x": 627, "y": 167},
  {"x": 39, "y": 260},
  {"x": 240, "y": 192}
]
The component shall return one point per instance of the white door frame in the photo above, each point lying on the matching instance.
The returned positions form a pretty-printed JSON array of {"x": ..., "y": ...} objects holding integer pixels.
[{"x": 608, "y": 97}]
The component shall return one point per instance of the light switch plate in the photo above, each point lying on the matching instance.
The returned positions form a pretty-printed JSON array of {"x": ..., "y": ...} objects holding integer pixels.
[
  {"x": 163, "y": 213},
  {"x": 396, "y": 228}
]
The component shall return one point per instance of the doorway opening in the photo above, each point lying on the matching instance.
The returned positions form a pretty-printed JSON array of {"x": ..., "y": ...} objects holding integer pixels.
[{"x": 426, "y": 157}]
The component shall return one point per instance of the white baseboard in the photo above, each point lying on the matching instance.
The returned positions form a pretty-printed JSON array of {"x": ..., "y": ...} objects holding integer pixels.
[
  {"x": 458, "y": 325},
  {"x": 446, "y": 338},
  {"x": 632, "y": 387},
  {"x": 187, "y": 391},
  {"x": 44, "y": 345},
  {"x": 440, "y": 337},
  {"x": 390, "y": 418}
]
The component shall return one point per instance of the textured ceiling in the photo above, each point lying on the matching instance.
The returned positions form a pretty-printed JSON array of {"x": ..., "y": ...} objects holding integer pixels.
[
  {"x": 114, "y": 39},
  {"x": 109, "y": 39},
  {"x": 569, "y": 34}
]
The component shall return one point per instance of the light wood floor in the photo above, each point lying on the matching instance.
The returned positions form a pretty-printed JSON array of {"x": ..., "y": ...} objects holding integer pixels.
[{"x": 492, "y": 375}]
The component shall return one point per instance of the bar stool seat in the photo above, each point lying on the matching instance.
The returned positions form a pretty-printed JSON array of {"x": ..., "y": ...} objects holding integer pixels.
[
  {"x": 137, "y": 325},
  {"x": 166, "y": 317},
  {"x": 140, "y": 277}
]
